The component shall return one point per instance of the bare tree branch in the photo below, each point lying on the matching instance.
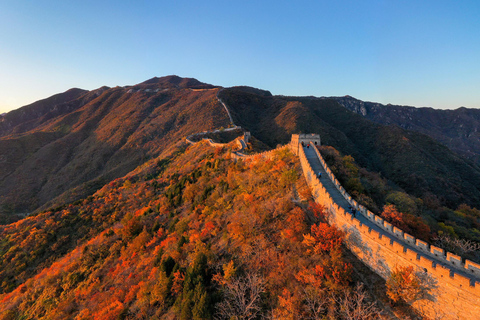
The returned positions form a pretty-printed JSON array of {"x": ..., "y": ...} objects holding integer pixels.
[
  {"x": 459, "y": 246},
  {"x": 353, "y": 305},
  {"x": 242, "y": 298}
]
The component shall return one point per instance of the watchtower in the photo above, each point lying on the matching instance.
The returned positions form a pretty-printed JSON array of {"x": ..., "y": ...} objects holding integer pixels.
[
  {"x": 304, "y": 139},
  {"x": 246, "y": 136}
]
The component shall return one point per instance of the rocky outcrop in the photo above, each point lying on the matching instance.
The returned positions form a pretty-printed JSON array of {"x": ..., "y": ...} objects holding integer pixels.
[{"x": 457, "y": 129}]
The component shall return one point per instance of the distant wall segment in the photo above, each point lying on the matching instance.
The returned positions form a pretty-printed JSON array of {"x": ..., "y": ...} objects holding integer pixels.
[{"x": 455, "y": 290}]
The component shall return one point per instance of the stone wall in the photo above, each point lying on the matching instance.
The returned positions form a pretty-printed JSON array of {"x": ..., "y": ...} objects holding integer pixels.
[
  {"x": 452, "y": 295},
  {"x": 266, "y": 154}
]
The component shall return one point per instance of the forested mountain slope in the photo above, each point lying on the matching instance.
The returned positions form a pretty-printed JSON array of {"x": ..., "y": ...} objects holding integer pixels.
[
  {"x": 175, "y": 231},
  {"x": 458, "y": 129},
  {"x": 94, "y": 137}
]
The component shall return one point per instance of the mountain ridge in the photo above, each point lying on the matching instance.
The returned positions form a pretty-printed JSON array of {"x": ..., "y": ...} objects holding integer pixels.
[
  {"x": 415, "y": 161},
  {"x": 98, "y": 136},
  {"x": 129, "y": 221},
  {"x": 104, "y": 133}
]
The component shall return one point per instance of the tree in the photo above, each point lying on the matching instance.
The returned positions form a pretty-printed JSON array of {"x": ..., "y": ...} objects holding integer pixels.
[
  {"x": 403, "y": 284},
  {"x": 395, "y": 217},
  {"x": 242, "y": 298},
  {"x": 353, "y": 305},
  {"x": 316, "y": 302},
  {"x": 323, "y": 238},
  {"x": 404, "y": 202}
]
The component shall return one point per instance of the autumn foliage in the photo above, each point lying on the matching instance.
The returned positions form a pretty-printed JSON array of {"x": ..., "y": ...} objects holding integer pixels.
[
  {"x": 194, "y": 236},
  {"x": 406, "y": 222},
  {"x": 403, "y": 284}
]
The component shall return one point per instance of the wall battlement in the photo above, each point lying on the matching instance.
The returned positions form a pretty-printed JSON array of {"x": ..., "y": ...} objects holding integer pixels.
[{"x": 266, "y": 154}]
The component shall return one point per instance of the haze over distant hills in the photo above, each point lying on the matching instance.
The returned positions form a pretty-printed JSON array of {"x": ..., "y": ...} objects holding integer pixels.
[{"x": 67, "y": 146}]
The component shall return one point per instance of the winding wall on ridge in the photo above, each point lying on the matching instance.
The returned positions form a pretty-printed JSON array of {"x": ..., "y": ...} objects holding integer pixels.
[{"x": 455, "y": 290}]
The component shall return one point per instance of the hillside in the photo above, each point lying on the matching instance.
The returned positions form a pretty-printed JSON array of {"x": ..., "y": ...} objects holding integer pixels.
[
  {"x": 458, "y": 129},
  {"x": 415, "y": 162},
  {"x": 192, "y": 236},
  {"x": 65, "y": 147},
  {"x": 29, "y": 117},
  {"x": 72, "y": 144}
]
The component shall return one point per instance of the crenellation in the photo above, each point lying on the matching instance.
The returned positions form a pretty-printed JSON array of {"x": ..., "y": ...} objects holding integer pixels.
[
  {"x": 442, "y": 271},
  {"x": 386, "y": 241},
  {"x": 439, "y": 252},
  {"x": 379, "y": 221},
  {"x": 425, "y": 262},
  {"x": 411, "y": 255},
  {"x": 452, "y": 292},
  {"x": 398, "y": 233},
  {"x": 370, "y": 215},
  {"x": 409, "y": 238},
  {"x": 454, "y": 259},
  {"x": 356, "y": 223},
  {"x": 364, "y": 229},
  {"x": 365, "y": 212},
  {"x": 374, "y": 234},
  {"x": 464, "y": 282},
  {"x": 422, "y": 245},
  {"x": 397, "y": 247},
  {"x": 473, "y": 267},
  {"x": 388, "y": 226}
]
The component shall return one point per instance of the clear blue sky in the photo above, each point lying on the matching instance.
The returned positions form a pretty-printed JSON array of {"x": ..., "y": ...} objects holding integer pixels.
[{"x": 420, "y": 53}]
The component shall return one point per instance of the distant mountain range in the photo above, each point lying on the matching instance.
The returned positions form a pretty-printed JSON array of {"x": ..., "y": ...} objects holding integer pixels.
[
  {"x": 66, "y": 147},
  {"x": 458, "y": 129}
]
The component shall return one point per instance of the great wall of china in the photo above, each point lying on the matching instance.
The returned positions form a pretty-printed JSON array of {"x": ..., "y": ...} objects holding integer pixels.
[{"x": 453, "y": 284}]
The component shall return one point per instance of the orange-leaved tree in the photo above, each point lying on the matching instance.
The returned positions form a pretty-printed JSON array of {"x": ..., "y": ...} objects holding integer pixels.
[
  {"x": 323, "y": 238},
  {"x": 403, "y": 284}
]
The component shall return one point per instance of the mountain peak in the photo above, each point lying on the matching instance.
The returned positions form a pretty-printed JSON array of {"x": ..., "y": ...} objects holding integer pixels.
[{"x": 174, "y": 81}]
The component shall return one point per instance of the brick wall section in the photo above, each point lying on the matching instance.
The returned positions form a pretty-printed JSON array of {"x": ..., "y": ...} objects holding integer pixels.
[
  {"x": 454, "y": 296},
  {"x": 434, "y": 251},
  {"x": 267, "y": 154}
]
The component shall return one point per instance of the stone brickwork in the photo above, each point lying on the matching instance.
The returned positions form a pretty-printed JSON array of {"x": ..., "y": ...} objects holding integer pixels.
[{"x": 455, "y": 290}]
